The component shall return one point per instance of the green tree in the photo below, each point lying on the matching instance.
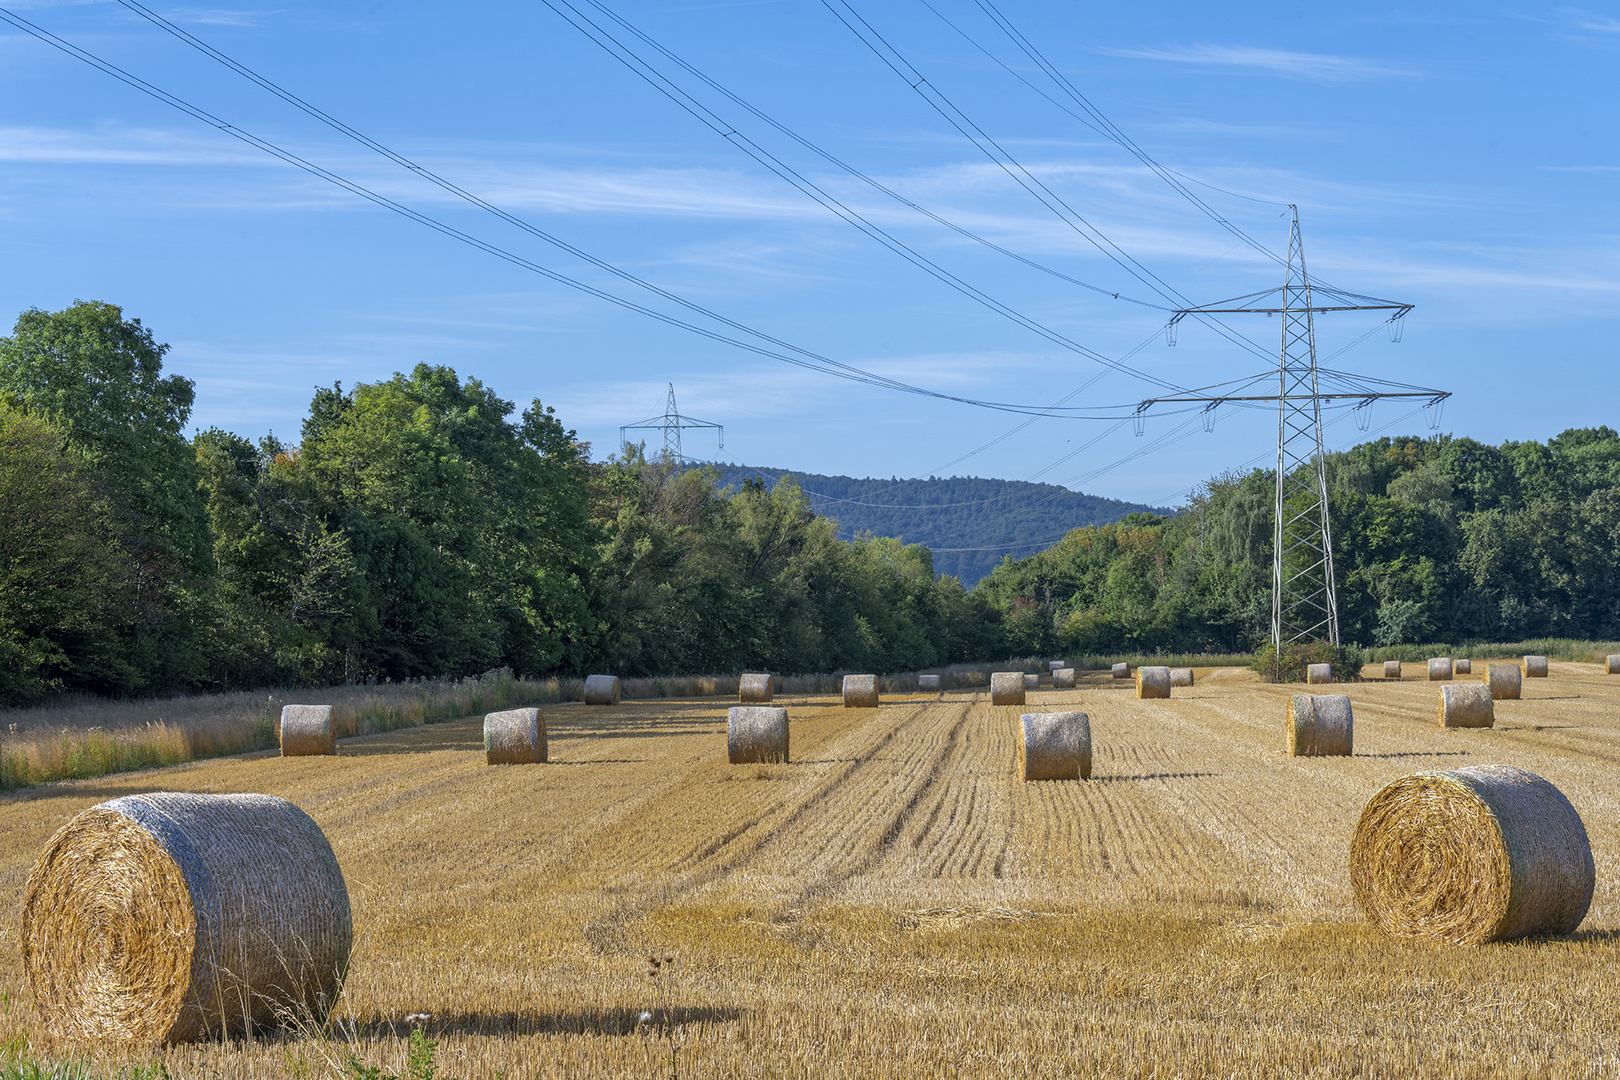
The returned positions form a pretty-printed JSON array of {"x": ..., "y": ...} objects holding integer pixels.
[
  {"x": 98, "y": 378},
  {"x": 468, "y": 531},
  {"x": 64, "y": 591}
]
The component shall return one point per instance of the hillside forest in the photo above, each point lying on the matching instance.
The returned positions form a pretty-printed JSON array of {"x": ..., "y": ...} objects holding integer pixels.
[
  {"x": 968, "y": 522},
  {"x": 424, "y": 526}
]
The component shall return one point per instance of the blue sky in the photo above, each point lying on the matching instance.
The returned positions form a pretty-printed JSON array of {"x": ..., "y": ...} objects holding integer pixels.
[{"x": 1458, "y": 157}]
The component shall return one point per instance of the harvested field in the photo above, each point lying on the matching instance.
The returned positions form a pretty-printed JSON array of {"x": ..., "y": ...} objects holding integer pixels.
[{"x": 896, "y": 902}]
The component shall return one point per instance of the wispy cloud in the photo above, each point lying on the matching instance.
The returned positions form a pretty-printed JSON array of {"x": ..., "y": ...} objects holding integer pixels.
[
  {"x": 215, "y": 16},
  {"x": 1317, "y": 67},
  {"x": 1577, "y": 19},
  {"x": 120, "y": 146}
]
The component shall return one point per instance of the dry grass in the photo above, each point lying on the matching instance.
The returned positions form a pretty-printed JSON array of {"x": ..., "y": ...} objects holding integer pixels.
[{"x": 897, "y": 903}]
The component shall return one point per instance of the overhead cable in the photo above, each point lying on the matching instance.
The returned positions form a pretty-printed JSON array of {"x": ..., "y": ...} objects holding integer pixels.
[
  {"x": 893, "y": 59},
  {"x": 631, "y": 60},
  {"x": 790, "y": 354}
]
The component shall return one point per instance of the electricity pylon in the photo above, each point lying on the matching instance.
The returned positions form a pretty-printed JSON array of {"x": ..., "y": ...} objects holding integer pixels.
[
  {"x": 671, "y": 422},
  {"x": 1304, "y": 601}
]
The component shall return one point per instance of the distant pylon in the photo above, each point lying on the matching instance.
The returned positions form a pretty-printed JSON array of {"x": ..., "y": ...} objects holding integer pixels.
[{"x": 671, "y": 423}]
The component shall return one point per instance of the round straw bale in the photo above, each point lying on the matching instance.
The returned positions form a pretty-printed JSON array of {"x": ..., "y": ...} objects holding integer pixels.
[
  {"x": 1485, "y": 853},
  {"x": 1535, "y": 667},
  {"x": 755, "y": 689},
  {"x": 515, "y": 737},
  {"x": 1320, "y": 725},
  {"x": 860, "y": 692},
  {"x": 1467, "y": 705},
  {"x": 1505, "y": 681},
  {"x": 756, "y": 733},
  {"x": 1032, "y": 682},
  {"x": 1319, "y": 673},
  {"x": 1463, "y": 666},
  {"x": 1053, "y": 665},
  {"x": 928, "y": 684},
  {"x": 1122, "y": 671},
  {"x": 306, "y": 730},
  {"x": 172, "y": 917},
  {"x": 1392, "y": 669},
  {"x": 1440, "y": 669},
  {"x": 602, "y": 690},
  {"x": 1054, "y": 746},
  {"x": 1181, "y": 676},
  {"x": 1063, "y": 678},
  {"x": 1611, "y": 664},
  {"x": 1007, "y": 688},
  {"x": 1152, "y": 682}
]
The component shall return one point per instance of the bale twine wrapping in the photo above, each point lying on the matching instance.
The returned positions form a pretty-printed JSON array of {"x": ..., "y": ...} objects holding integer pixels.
[
  {"x": 306, "y": 731},
  {"x": 1032, "y": 682},
  {"x": 168, "y": 917},
  {"x": 1440, "y": 669},
  {"x": 1392, "y": 669},
  {"x": 1486, "y": 853},
  {"x": 1321, "y": 725},
  {"x": 860, "y": 692},
  {"x": 1535, "y": 667},
  {"x": 1054, "y": 746},
  {"x": 1318, "y": 674},
  {"x": 756, "y": 689},
  {"x": 1505, "y": 681},
  {"x": 1122, "y": 671},
  {"x": 1063, "y": 678},
  {"x": 601, "y": 690},
  {"x": 1152, "y": 682},
  {"x": 515, "y": 737},
  {"x": 1181, "y": 676},
  {"x": 1611, "y": 664},
  {"x": 1463, "y": 666},
  {"x": 756, "y": 734},
  {"x": 1467, "y": 705},
  {"x": 1007, "y": 688},
  {"x": 929, "y": 683}
]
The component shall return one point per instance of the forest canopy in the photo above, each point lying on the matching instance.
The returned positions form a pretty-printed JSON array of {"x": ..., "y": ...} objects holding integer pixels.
[{"x": 425, "y": 526}]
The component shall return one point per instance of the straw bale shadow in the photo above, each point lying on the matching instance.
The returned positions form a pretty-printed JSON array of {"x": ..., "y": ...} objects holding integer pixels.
[
  {"x": 1153, "y": 776},
  {"x": 1417, "y": 753},
  {"x": 1538, "y": 727},
  {"x": 618, "y": 1021}
]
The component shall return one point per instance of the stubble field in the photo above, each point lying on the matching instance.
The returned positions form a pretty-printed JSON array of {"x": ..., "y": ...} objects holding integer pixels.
[{"x": 895, "y": 903}]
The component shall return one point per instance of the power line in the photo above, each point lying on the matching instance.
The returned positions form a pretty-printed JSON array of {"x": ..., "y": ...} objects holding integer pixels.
[
  {"x": 852, "y": 170},
  {"x": 968, "y": 129},
  {"x": 804, "y": 358},
  {"x": 633, "y": 61},
  {"x": 1112, "y": 131}
]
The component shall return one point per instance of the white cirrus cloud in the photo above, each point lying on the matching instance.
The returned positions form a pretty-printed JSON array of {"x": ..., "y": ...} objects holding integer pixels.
[{"x": 1317, "y": 67}]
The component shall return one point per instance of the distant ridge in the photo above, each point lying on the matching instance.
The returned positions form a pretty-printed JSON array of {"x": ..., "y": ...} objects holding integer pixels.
[{"x": 1004, "y": 517}]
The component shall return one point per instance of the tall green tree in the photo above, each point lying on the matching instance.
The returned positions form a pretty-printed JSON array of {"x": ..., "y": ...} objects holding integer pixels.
[
  {"x": 469, "y": 531},
  {"x": 98, "y": 378},
  {"x": 65, "y": 592}
]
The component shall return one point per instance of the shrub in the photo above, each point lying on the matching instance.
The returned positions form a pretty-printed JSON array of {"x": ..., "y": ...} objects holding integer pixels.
[{"x": 1289, "y": 663}]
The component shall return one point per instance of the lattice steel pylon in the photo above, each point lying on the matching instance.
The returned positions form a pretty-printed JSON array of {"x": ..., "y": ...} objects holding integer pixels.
[
  {"x": 1304, "y": 597},
  {"x": 671, "y": 423}
]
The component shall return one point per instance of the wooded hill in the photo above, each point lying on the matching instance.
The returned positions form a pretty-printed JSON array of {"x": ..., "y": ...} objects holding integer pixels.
[{"x": 968, "y": 522}]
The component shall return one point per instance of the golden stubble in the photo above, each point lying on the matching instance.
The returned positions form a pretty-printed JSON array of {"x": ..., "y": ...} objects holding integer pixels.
[{"x": 895, "y": 902}]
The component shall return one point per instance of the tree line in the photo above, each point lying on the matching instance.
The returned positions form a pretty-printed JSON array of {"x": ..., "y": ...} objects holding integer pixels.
[
  {"x": 424, "y": 526},
  {"x": 1436, "y": 539},
  {"x": 419, "y": 526}
]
